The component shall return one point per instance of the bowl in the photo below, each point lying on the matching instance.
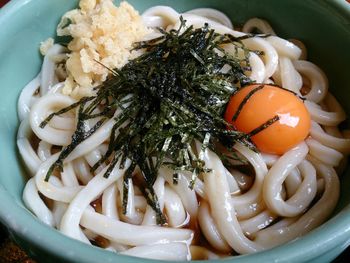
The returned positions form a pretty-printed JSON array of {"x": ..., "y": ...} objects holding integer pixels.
[{"x": 324, "y": 26}]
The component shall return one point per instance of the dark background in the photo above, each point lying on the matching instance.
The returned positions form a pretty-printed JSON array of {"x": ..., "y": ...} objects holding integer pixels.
[{"x": 3, "y": 2}]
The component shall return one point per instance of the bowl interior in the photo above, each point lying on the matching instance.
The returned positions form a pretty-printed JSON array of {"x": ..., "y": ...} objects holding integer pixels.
[{"x": 324, "y": 27}]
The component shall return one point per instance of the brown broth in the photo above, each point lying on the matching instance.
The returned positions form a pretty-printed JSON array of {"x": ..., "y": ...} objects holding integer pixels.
[
  {"x": 101, "y": 242},
  {"x": 97, "y": 204}
]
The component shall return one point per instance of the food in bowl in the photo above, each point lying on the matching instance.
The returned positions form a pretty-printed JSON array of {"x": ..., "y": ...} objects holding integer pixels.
[{"x": 174, "y": 136}]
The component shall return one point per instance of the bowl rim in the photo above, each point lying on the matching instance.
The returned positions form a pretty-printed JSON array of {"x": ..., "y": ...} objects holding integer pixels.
[{"x": 40, "y": 235}]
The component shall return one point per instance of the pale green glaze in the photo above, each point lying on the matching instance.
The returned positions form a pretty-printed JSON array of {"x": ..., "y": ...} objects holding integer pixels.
[{"x": 324, "y": 26}]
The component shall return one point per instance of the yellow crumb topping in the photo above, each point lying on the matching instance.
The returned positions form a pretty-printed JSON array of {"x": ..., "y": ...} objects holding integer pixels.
[
  {"x": 46, "y": 45},
  {"x": 101, "y": 32}
]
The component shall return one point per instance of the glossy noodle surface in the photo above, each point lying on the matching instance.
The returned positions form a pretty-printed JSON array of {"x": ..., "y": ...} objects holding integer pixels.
[{"x": 273, "y": 198}]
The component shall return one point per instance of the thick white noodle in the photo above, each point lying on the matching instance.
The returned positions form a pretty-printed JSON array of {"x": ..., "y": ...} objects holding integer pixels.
[
  {"x": 150, "y": 215},
  {"x": 277, "y": 175},
  {"x": 313, "y": 217},
  {"x": 129, "y": 234},
  {"x": 27, "y": 97},
  {"x": 340, "y": 144},
  {"x": 33, "y": 202},
  {"x": 70, "y": 221},
  {"x": 210, "y": 229},
  {"x": 260, "y": 221},
  {"x": 292, "y": 182},
  {"x": 282, "y": 198},
  {"x": 290, "y": 78},
  {"x": 68, "y": 176},
  {"x": 324, "y": 117},
  {"x": 249, "y": 203},
  {"x": 301, "y": 46},
  {"x": 258, "y": 71},
  {"x": 319, "y": 82},
  {"x": 259, "y": 24},
  {"x": 324, "y": 153},
  {"x": 58, "y": 211},
  {"x": 48, "y": 76},
  {"x": 174, "y": 251},
  {"x": 223, "y": 211},
  {"x": 29, "y": 156},
  {"x": 44, "y": 150},
  {"x": 167, "y": 16},
  {"x": 96, "y": 139},
  {"x": 41, "y": 110},
  {"x": 63, "y": 194},
  {"x": 188, "y": 197},
  {"x": 109, "y": 205},
  {"x": 284, "y": 47},
  {"x": 174, "y": 208},
  {"x": 212, "y": 14}
]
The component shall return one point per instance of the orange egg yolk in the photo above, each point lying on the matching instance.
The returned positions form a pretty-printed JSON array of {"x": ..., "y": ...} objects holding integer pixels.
[{"x": 267, "y": 102}]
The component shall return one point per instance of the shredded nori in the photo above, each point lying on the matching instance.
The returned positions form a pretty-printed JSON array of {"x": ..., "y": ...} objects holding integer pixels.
[{"x": 161, "y": 102}]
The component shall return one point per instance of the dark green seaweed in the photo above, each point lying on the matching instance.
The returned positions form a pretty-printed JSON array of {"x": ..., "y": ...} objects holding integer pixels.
[{"x": 161, "y": 102}]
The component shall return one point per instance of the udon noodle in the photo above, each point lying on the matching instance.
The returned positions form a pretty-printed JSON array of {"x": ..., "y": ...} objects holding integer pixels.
[{"x": 229, "y": 212}]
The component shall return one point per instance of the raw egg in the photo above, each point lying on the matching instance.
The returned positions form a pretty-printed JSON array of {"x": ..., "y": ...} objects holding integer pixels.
[{"x": 265, "y": 103}]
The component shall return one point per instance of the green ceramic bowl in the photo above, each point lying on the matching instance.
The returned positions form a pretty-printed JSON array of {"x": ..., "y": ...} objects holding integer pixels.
[{"x": 324, "y": 26}]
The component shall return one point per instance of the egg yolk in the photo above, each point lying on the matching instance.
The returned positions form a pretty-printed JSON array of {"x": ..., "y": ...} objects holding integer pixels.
[{"x": 267, "y": 102}]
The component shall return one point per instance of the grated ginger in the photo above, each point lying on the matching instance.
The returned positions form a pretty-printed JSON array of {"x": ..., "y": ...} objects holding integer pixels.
[
  {"x": 101, "y": 32},
  {"x": 46, "y": 45}
]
